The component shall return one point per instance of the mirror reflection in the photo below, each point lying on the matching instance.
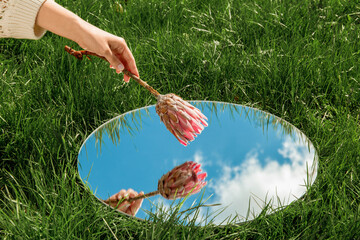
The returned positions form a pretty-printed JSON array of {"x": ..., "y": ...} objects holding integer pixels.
[{"x": 252, "y": 159}]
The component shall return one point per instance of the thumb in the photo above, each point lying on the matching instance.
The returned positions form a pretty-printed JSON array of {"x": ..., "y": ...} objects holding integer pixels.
[{"x": 114, "y": 61}]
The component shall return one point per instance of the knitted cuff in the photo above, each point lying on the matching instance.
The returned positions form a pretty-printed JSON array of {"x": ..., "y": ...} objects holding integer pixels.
[{"x": 21, "y": 19}]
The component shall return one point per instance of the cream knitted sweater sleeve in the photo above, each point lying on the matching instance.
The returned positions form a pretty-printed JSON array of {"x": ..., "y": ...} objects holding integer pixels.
[{"x": 17, "y": 19}]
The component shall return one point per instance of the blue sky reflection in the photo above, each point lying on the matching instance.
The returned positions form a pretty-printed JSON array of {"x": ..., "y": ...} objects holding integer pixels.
[{"x": 245, "y": 156}]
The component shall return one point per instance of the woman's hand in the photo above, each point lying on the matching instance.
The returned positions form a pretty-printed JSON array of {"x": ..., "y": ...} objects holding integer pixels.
[
  {"x": 118, "y": 201},
  {"x": 112, "y": 47},
  {"x": 61, "y": 21}
]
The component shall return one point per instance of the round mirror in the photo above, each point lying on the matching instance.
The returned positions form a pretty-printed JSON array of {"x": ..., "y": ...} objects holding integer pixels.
[{"x": 253, "y": 160}]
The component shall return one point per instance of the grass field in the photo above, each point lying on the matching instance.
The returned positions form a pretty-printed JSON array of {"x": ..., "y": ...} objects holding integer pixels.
[{"x": 298, "y": 60}]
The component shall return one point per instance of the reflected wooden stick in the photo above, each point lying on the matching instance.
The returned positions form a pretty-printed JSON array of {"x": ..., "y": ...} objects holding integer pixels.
[{"x": 150, "y": 194}]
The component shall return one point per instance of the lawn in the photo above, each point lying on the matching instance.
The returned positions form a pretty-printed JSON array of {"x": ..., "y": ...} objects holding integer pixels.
[{"x": 298, "y": 60}]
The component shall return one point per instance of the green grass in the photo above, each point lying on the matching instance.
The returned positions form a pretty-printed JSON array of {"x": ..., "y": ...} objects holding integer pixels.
[{"x": 298, "y": 60}]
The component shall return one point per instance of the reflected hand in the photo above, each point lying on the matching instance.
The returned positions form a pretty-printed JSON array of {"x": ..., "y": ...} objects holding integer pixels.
[{"x": 118, "y": 200}]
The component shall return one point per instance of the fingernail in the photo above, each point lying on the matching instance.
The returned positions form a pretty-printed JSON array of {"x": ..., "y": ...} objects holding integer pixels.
[{"x": 121, "y": 67}]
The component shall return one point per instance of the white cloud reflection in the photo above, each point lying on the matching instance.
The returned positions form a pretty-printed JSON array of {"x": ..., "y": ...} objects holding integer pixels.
[
  {"x": 252, "y": 184},
  {"x": 197, "y": 157},
  {"x": 258, "y": 180}
]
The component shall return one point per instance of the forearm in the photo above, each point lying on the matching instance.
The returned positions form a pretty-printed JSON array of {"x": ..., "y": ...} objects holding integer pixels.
[{"x": 63, "y": 22}]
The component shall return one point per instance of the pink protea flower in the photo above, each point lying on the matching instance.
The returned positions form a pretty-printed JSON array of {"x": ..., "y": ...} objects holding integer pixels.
[
  {"x": 182, "y": 119},
  {"x": 182, "y": 180}
]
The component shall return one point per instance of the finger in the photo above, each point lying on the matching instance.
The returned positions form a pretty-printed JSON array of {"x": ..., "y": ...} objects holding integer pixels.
[
  {"x": 134, "y": 208},
  {"x": 124, "y": 207},
  {"x": 114, "y": 61},
  {"x": 121, "y": 194},
  {"x": 117, "y": 199},
  {"x": 132, "y": 193},
  {"x": 114, "y": 197},
  {"x": 123, "y": 53},
  {"x": 130, "y": 190},
  {"x": 128, "y": 59},
  {"x": 137, "y": 204},
  {"x": 126, "y": 78}
]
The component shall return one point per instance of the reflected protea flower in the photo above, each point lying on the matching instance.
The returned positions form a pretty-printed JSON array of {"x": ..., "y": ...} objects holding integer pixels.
[
  {"x": 182, "y": 180},
  {"x": 182, "y": 119},
  {"x": 185, "y": 179}
]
